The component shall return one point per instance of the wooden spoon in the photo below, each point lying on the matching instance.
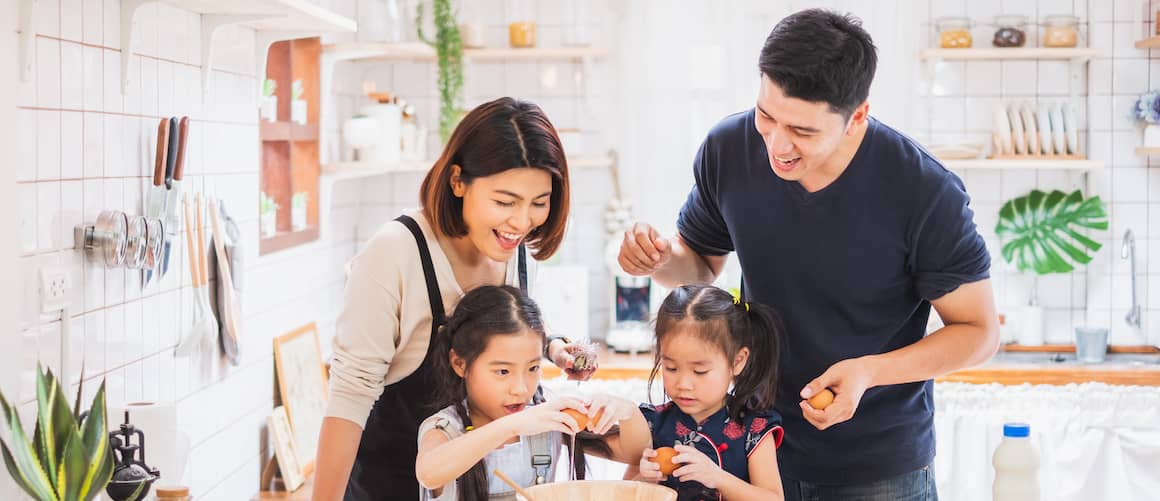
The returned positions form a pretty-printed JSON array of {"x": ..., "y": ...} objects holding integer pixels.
[{"x": 519, "y": 490}]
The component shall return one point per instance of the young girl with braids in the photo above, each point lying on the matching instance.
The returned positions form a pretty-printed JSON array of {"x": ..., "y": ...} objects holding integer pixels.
[
  {"x": 487, "y": 383},
  {"x": 717, "y": 357}
]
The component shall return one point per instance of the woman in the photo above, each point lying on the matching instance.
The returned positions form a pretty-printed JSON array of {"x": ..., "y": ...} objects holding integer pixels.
[{"x": 501, "y": 183}]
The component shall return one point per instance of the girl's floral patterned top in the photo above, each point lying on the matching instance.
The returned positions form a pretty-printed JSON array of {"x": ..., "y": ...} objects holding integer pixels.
[{"x": 725, "y": 441}]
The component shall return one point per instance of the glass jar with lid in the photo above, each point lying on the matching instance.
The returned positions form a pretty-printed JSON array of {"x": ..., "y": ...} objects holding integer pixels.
[
  {"x": 953, "y": 32},
  {"x": 1010, "y": 31},
  {"x": 1060, "y": 31},
  {"x": 521, "y": 23}
]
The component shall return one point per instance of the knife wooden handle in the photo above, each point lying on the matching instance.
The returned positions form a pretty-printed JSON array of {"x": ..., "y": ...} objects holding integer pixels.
[
  {"x": 162, "y": 147},
  {"x": 182, "y": 133}
]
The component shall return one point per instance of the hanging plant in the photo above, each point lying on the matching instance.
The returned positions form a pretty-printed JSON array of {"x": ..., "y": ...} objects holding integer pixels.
[
  {"x": 449, "y": 53},
  {"x": 1041, "y": 234}
]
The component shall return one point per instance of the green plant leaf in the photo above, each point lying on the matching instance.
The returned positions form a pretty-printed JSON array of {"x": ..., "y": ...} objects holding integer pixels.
[
  {"x": 20, "y": 456},
  {"x": 98, "y": 454},
  {"x": 1039, "y": 230},
  {"x": 72, "y": 467},
  {"x": 55, "y": 422}
]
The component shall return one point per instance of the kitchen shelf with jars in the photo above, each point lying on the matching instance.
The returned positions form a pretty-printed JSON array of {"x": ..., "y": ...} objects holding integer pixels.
[{"x": 1025, "y": 135}]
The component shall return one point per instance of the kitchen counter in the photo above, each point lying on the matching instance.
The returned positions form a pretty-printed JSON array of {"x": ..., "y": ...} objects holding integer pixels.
[{"x": 1006, "y": 368}]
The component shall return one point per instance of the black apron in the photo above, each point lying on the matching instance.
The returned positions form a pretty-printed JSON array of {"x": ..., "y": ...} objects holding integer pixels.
[{"x": 384, "y": 468}]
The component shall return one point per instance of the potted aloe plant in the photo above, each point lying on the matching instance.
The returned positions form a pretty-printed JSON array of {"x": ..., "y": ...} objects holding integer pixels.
[
  {"x": 68, "y": 457},
  {"x": 1042, "y": 234}
]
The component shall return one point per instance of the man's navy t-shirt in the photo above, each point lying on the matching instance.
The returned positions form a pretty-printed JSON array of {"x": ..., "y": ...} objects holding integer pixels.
[{"x": 851, "y": 268}]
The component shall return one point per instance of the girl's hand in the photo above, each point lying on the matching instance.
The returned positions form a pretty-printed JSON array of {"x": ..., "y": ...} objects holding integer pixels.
[
  {"x": 611, "y": 410},
  {"x": 544, "y": 417},
  {"x": 649, "y": 471},
  {"x": 696, "y": 466}
]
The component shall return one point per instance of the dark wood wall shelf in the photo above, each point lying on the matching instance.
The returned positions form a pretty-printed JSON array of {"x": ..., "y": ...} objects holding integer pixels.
[{"x": 290, "y": 157}]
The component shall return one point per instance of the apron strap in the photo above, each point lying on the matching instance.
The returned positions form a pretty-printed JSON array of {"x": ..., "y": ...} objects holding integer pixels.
[
  {"x": 438, "y": 313},
  {"x": 523, "y": 268},
  {"x": 541, "y": 449}
]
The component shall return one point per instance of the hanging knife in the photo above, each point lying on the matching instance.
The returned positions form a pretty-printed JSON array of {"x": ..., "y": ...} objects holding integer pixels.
[
  {"x": 173, "y": 219},
  {"x": 155, "y": 203}
]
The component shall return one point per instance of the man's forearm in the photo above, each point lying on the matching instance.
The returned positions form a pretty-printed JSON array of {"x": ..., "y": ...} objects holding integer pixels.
[
  {"x": 948, "y": 349},
  {"x": 684, "y": 267}
]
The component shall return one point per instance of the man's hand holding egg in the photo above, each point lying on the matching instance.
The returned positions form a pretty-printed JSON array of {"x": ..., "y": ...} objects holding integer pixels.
[{"x": 833, "y": 397}]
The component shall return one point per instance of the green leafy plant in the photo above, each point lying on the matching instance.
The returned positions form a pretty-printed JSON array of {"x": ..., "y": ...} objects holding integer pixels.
[
  {"x": 268, "y": 87},
  {"x": 1041, "y": 230},
  {"x": 449, "y": 53},
  {"x": 267, "y": 205},
  {"x": 296, "y": 90},
  {"x": 298, "y": 200},
  {"x": 69, "y": 457}
]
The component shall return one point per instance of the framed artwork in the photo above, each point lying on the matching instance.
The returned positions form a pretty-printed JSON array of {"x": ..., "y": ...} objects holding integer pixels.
[
  {"x": 302, "y": 388},
  {"x": 284, "y": 450}
]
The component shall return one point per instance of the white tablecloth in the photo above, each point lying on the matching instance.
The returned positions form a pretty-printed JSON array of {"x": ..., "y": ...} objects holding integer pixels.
[{"x": 1096, "y": 441}]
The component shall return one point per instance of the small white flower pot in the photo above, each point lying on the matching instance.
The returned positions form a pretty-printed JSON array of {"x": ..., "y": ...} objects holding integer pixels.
[
  {"x": 1152, "y": 136},
  {"x": 298, "y": 111},
  {"x": 298, "y": 217},
  {"x": 269, "y": 108},
  {"x": 269, "y": 223}
]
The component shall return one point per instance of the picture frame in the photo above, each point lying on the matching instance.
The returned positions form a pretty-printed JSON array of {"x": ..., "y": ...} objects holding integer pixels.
[
  {"x": 302, "y": 388},
  {"x": 285, "y": 450}
]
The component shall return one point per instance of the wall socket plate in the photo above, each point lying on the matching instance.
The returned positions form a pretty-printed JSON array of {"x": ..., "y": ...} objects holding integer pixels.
[{"x": 54, "y": 286}]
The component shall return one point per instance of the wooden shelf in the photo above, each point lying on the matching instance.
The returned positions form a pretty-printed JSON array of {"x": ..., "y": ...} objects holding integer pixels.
[
  {"x": 1070, "y": 348},
  {"x": 355, "y": 170},
  {"x": 1148, "y": 43},
  {"x": 287, "y": 131},
  {"x": 1142, "y": 151},
  {"x": 424, "y": 52},
  {"x": 1034, "y": 164},
  {"x": 1025, "y": 53},
  {"x": 286, "y": 240}
]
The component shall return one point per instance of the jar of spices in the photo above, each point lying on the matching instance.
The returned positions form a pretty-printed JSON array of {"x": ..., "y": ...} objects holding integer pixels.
[
  {"x": 175, "y": 493},
  {"x": 1060, "y": 31},
  {"x": 1009, "y": 31},
  {"x": 954, "y": 32}
]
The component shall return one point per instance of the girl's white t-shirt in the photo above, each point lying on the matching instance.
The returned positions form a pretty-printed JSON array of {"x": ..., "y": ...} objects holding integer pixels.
[{"x": 514, "y": 459}]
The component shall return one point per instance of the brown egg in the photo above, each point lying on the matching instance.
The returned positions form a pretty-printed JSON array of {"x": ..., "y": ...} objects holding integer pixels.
[
  {"x": 664, "y": 459},
  {"x": 822, "y": 400},
  {"x": 582, "y": 419}
]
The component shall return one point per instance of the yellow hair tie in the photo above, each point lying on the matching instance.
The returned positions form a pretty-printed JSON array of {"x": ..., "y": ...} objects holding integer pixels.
[
  {"x": 747, "y": 306},
  {"x": 469, "y": 428},
  {"x": 736, "y": 300}
]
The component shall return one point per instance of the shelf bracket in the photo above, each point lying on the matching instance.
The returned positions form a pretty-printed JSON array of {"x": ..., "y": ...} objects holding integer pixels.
[
  {"x": 128, "y": 9},
  {"x": 210, "y": 23},
  {"x": 264, "y": 40},
  {"x": 27, "y": 38}
]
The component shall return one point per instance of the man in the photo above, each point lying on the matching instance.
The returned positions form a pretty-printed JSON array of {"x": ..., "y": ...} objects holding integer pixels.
[{"x": 853, "y": 231}]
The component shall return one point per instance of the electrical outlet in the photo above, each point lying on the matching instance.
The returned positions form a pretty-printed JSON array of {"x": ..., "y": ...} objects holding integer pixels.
[{"x": 54, "y": 286}]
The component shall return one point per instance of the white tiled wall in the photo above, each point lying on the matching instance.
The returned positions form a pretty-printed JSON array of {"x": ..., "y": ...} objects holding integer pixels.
[
  {"x": 961, "y": 98},
  {"x": 80, "y": 146}
]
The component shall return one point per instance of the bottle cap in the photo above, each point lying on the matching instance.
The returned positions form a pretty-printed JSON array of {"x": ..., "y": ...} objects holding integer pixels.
[{"x": 1016, "y": 430}]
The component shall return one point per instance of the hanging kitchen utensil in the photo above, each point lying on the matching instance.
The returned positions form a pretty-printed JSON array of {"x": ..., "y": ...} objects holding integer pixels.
[
  {"x": 227, "y": 310},
  {"x": 173, "y": 185},
  {"x": 105, "y": 240},
  {"x": 201, "y": 334},
  {"x": 155, "y": 201}
]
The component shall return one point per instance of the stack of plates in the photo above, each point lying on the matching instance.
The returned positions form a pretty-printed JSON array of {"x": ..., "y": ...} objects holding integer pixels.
[{"x": 1024, "y": 129}]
